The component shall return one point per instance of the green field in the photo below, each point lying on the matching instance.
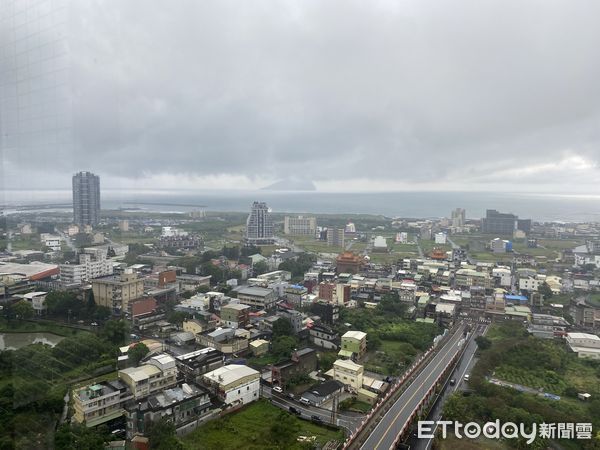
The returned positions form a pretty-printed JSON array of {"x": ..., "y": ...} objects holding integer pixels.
[{"x": 259, "y": 425}]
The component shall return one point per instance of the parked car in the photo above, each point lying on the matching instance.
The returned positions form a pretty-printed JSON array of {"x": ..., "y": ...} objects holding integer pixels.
[
  {"x": 467, "y": 377},
  {"x": 278, "y": 389},
  {"x": 452, "y": 382},
  {"x": 290, "y": 395},
  {"x": 305, "y": 401}
]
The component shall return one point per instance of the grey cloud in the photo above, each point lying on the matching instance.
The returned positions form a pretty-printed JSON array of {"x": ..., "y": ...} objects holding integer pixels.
[{"x": 414, "y": 91}]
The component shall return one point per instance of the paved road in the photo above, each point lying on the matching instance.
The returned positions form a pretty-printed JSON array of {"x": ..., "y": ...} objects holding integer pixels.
[
  {"x": 347, "y": 420},
  {"x": 466, "y": 363},
  {"x": 387, "y": 429}
]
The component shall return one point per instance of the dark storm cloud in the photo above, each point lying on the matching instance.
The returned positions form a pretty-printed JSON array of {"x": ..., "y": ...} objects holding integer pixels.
[{"x": 456, "y": 92}]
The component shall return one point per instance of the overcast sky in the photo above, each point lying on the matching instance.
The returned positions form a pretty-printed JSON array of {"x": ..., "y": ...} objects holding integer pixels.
[{"x": 369, "y": 95}]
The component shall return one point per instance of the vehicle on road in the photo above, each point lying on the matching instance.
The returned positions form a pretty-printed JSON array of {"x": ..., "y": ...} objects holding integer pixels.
[
  {"x": 295, "y": 411},
  {"x": 452, "y": 382},
  {"x": 305, "y": 401},
  {"x": 316, "y": 419},
  {"x": 278, "y": 389},
  {"x": 290, "y": 395},
  {"x": 467, "y": 377}
]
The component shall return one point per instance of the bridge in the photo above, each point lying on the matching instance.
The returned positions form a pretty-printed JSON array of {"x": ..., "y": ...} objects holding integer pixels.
[{"x": 390, "y": 421}]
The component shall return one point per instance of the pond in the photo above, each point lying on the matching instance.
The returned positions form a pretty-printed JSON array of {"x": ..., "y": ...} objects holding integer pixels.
[{"x": 14, "y": 341}]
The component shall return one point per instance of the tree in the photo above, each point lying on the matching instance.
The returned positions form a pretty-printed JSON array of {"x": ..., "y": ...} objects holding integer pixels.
[
  {"x": 483, "y": 343},
  {"x": 283, "y": 346},
  {"x": 284, "y": 430},
  {"x": 162, "y": 436},
  {"x": 177, "y": 317},
  {"x": 137, "y": 352},
  {"x": 23, "y": 310},
  {"x": 326, "y": 361},
  {"x": 545, "y": 290},
  {"x": 260, "y": 267},
  {"x": 282, "y": 327},
  {"x": 115, "y": 331}
]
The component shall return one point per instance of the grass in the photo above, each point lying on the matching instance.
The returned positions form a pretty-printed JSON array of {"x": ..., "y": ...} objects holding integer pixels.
[
  {"x": 251, "y": 428},
  {"x": 17, "y": 326},
  {"x": 264, "y": 360},
  {"x": 452, "y": 442}
]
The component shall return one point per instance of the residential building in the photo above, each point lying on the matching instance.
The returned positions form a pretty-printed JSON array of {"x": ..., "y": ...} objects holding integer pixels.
[
  {"x": 100, "y": 403},
  {"x": 259, "y": 226},
  {"x": 89, "y": 267},
  {"x": 529, "y": 284},
  {"x": 197, "y": 363},
  {"x": 234, "y": 384},
  {"x": 503, "y": 223},
  {"x": 584, "y": 344},
  {"x": 548, "y": 327},
  {"x": 256, "y": 297},
  {"x": 324, "y": 337},
  {"x": 465, "y": 278},
  {"x": 38, "y": 301},
  {"x": 115, "y": 292},
  {"x": 328, "y": 312},
  {"x": 500, "y": 245},
  {"x": 335, "y": 237},
  {"x": 86, "y": 198},
  {"x": 302, "y": 362},
  {"x": 235, "y": 315},
  {"x": 440, "y": 238},
  {"x": 323, "y": 392},
  {"x": 226, "y": 340},
  {"x": 349, "y": 373},
  {"x": 159, "y": 373},
  {"x": 300, "y": 225},
  {"x": 458, "y": 217},
  {"x": 259, "y": 347},
  {"x": 354, "y": 345},
  {"x": 181, "y": 406}
]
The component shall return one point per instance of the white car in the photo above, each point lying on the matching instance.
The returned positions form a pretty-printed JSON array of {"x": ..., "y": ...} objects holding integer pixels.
[
  {"x": 467, "y": 376},
  {"x": 278, "y": 389}
]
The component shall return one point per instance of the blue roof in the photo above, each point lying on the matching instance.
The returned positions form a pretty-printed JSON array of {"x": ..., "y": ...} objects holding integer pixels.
[{"x": 520, "y": 298}]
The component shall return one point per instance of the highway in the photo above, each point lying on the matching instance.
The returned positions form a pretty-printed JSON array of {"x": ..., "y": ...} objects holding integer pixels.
[
  {"x": 390, "y": 425},
  {"x": 464, "y": 366}
]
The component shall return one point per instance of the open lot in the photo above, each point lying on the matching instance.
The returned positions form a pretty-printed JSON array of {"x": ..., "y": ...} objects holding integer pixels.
[{"x": 259, "y": 425}]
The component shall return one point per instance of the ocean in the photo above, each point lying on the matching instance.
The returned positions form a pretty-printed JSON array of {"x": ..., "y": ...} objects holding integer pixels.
[{"x": 539, "y": 207}]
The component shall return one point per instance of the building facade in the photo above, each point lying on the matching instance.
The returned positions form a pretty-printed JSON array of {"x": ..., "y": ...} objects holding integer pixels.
[
  {"x": 259, "y": 225},
  {"x": 300, "y": 225},
  {"x": 115, "y": 292},
  {"x": 86, "y": 198}
]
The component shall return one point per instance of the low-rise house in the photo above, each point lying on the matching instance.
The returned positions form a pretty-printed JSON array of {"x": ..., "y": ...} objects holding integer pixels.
[
  {"x": 585, "y": 345},
  {"x": 235, "y": 315},
  {"x": 195, "y": 364},
  {"x": 226, "y": 340},
  {"x": 181, "y": 405},
  {"x": 160, "y": 372},
  {"x": 324, "y": 337},
  {"x": 259, "y": 347},
  {"x": 256, "y": 297},
  {"x": 354, "y": 345},
  {"x": 234, "y": 384},
  {"x": 100, "y": 403},
  {"x": 301, "y": 362},
  {"x": 349, "y": 373},
  {"x": 323, "y": 392}
]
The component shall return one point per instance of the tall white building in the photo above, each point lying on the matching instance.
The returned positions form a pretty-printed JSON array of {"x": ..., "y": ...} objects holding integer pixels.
[
  {"x": 458, "y": 217},
  {"x": 89, "y": 267},
  {"x": 300, "y": 225},
  {"x": 259, "y": 225}
]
